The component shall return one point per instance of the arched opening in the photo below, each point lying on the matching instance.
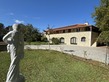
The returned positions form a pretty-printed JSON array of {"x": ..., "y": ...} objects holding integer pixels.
[
  {"x": 73, "y": 40},
  {"x": 83, "y": 39},
  {"x": 61, "y": 40}
]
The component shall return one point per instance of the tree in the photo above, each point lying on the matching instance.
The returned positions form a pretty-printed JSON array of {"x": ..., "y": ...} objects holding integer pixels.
[
  {"x": 1, "y": 31},
  {"x": 101, "y": 17},
  {"x": 31, "y": 34},
  {"x": 7, "y": 29},
  {"x": 1, "y": 27},
  {"x": 36, "y": 35}
]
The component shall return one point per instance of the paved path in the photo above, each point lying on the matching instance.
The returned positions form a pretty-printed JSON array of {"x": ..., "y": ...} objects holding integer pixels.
[{"x": 94, "y": 53}]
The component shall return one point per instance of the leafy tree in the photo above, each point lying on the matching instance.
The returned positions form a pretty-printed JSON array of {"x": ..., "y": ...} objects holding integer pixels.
[
  {"x": 7, "y": 29},
  {"x": 1, "y": 27},
  {"x": 36, "y": 35},
  {"x": 1, "y": 31},
  {"x": 30, "y": 33},
  {"x": 104, "y": 37},
  {"x": 101, "y": 16}
]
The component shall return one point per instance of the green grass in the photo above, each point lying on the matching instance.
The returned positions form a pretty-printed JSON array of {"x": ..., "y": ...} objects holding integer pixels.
[
  {"x": 36, "y": 43},
  {"x": 53, "y": 66}
]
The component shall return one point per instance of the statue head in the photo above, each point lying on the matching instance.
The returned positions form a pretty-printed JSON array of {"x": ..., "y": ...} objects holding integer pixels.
[{"x": 15, "y": 27}]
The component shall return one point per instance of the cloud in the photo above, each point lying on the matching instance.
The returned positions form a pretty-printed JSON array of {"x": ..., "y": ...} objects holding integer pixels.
[{"x": 19, "y": 21}]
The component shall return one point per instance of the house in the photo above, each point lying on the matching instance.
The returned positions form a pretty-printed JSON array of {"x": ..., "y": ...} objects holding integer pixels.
[{"x": 78, "y": 34}]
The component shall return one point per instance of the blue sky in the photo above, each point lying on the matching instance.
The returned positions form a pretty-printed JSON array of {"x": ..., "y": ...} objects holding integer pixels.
[{"x": 40, "y": 13}]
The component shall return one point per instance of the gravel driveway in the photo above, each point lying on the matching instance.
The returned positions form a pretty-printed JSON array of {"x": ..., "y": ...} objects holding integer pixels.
[{"x": 94, "y": 53}]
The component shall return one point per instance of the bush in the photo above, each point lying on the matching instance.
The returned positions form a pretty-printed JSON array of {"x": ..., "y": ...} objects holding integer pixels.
[
  {"x": 44, "y": 39},
  {"x": 55, "y": 41}
]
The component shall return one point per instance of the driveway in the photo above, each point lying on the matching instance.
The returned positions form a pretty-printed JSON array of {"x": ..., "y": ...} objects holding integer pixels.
[{"x": 94, "y": 53}]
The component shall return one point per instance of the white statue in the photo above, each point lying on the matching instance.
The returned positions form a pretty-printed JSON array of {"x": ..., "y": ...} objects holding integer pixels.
[{"x": 15, "y": 47}]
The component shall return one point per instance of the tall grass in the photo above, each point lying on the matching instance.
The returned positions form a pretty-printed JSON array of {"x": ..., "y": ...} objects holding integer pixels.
[{"x": 53, "y": 66}]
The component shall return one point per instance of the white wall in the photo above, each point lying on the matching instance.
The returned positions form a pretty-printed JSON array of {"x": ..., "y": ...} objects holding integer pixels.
[{"x": 78, "y": 35}]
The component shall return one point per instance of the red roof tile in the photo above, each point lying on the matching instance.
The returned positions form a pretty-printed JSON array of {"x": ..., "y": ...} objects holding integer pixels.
[{"x": 70, "y": 27}]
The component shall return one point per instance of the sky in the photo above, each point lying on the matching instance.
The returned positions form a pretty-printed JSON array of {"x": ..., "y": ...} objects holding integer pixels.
[{"x": 40, "y": 13}]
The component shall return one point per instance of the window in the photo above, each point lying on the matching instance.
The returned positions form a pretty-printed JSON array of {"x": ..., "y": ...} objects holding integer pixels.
[
  {"x": 87, "y": 29},
  {"x": 62, "y": 40},
  {"x": 63, "y": 31},
  {"x": 66, "y": 31},
  {"x": 69, "y": 30},
  {"x": 73, "y": 40},
  {"x": 83, "y": 39},
  {"x": 77, "y": 29}
]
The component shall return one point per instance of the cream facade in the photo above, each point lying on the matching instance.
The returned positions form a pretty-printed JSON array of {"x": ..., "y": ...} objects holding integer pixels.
[{"x": 81, "y": 37}]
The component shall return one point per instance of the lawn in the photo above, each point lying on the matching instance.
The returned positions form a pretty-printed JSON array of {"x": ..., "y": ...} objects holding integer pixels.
[
  {"x": 53, "y": 66},
  {"x": 36, "y": 43}
]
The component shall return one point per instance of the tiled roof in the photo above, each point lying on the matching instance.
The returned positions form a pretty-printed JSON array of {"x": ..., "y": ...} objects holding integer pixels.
[{"x": 70, "y": 27}]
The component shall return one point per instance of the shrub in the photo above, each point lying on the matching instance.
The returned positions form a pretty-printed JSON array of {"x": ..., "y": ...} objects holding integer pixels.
[
  {"x": 55, "y": 40},
  {"x": 44, "y": 39}
]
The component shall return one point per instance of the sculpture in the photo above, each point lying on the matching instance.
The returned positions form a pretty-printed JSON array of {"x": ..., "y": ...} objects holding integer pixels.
[{"x": 15, "y": 47}]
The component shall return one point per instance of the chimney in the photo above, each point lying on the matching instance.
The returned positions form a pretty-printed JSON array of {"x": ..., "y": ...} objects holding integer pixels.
[{"x": 86, "y": 23}]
